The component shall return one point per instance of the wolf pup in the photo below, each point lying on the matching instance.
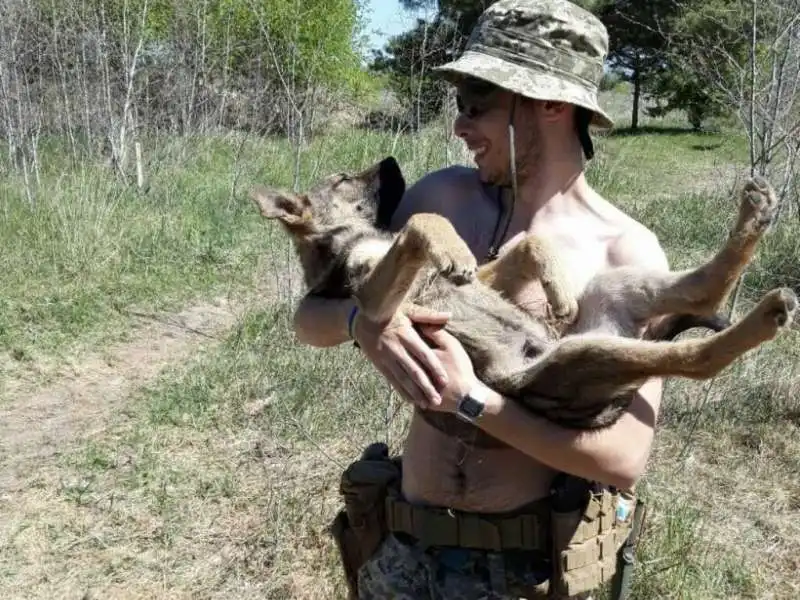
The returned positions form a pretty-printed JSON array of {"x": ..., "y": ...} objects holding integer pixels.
[{"x": 577, "y": 368}]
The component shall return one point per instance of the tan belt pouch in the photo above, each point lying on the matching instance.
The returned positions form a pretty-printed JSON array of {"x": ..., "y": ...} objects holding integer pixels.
[{"x": 586, "y": 541}]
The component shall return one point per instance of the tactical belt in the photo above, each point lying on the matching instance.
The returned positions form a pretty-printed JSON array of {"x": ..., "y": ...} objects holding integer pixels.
[
  {"x": 442, "y": 527},
  {"x": 583, "y": 543}
]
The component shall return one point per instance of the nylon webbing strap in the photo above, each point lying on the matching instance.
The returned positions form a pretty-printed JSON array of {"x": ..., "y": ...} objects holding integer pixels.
[{"x": 439, "y": 527}]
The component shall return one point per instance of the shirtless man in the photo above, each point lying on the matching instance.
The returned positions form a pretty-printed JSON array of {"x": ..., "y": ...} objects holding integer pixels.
[{"x": 550, "y": 108}]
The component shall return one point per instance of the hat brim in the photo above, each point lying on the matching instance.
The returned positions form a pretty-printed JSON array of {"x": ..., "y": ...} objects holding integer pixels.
[{"x": 538, "y": 85}]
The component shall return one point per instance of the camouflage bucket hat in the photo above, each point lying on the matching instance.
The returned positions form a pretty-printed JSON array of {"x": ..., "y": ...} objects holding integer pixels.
[{"x": 540, "y": 49}]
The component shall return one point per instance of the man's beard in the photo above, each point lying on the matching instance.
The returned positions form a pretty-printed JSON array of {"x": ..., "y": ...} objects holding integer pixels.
[{"x": 527, "y": 158}]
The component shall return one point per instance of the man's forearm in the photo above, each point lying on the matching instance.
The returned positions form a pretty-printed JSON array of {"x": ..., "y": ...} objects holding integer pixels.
[
  {"x": 616, "y": 455},
  {"x": 322, "y": 322}
]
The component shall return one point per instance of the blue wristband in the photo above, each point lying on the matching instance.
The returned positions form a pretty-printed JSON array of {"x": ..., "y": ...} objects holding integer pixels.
[{"x": 350, "y": 319}]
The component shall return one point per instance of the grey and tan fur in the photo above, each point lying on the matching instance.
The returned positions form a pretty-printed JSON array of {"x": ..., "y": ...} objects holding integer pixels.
[{"x": 579, "y": 370}]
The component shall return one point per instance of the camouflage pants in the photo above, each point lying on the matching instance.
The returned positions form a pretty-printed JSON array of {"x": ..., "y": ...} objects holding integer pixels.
[{"x": 401, "y": 569}]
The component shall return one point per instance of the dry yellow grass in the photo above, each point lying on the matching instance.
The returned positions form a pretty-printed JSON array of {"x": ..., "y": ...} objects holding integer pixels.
[{"x": 210, "y": 468}]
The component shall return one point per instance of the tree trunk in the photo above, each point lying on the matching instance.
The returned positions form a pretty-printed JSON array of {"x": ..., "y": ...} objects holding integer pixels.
[{"x": 637, "y": 92}]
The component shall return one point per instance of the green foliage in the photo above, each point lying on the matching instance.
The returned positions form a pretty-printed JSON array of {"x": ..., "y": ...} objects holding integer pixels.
[
  {"x": 682, "y": 86},
  {"x": 465, "y": 11},
  {"x": 407, "y": 62},
  {"x": 637, "y": 40},
  {"x": 308, "y": 41},
  {"x": 255, "y": 60},
  {"x": 679, "y": 88},
  {"x": 409, "y": 57},
  {"x": 709, "y": 57},
  {"x": 610, "y": 80}
]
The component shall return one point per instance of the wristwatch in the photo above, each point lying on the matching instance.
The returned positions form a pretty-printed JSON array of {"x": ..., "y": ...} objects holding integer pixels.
[{"x": 472, "y": 405}]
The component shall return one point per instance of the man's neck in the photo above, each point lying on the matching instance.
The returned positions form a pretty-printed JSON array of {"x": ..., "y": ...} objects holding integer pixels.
[{"x": 553, "y": 183}]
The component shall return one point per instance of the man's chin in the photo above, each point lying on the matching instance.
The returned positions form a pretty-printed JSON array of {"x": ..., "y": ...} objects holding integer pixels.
[
  {"x": 491, "y": 177},
  {"x": 485, "y": 174}
]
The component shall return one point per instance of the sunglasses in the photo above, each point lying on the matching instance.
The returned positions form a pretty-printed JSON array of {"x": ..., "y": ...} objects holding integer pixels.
[{"x": 475, "y": 98}]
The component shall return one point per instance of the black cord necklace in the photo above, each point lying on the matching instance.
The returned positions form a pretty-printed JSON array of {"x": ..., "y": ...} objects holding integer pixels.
[{"x": 495, "y": 244}]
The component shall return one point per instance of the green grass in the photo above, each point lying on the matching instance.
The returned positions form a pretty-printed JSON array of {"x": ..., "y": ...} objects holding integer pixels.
[
  {"x": 259, "y": 364},
  {"x": 218, "y": 478},
  {"x": 234, "y": 454},
  {"x": 256, "y": 432},
  {"x": 88, "y": 248}
]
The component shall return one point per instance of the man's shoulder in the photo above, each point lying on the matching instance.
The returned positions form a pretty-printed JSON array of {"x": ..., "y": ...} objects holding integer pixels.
[
  {"x": 434, "y": 191},
  {"x": 634, "y": 244},
  {"x": 444, "y": 179},
  {"x": 637, "y": 245}
]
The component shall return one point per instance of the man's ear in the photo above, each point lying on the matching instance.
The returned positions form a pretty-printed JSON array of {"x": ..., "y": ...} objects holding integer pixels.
[
  {"x": 554, "y": 110},
  {"x": 273, "y": 204},
  {"x": 392, "y": 186}
]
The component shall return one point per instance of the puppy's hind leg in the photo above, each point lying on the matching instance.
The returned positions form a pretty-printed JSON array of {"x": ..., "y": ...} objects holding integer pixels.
[
  {"x": 583, "y": 376},
  {"x": 427, "y": 240},
  {"x": 704, "y": 290}
]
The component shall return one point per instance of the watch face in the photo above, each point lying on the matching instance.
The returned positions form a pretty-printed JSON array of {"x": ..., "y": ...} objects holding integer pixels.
[{"x": 470, "y": 407}]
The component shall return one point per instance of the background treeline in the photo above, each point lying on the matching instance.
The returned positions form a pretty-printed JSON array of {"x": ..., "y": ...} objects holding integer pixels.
[{"x": 100, "y": 73}]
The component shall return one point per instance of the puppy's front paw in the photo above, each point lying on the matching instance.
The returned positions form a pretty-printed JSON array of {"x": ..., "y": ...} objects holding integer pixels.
[{"x": 457, "y": 263}]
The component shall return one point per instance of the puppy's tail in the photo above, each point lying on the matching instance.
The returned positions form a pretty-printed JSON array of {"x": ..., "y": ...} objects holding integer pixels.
[{"x": 672, "y": 326}]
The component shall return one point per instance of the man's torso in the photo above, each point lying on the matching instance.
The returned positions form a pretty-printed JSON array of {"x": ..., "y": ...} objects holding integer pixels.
[{"x": 446, "y": 470}]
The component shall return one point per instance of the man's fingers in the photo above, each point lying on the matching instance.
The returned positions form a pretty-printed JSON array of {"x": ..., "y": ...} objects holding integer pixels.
[
  {"x": 420, "y": 314},
  {"x": 392, "y": 374},
  {"x": 406, "y": 387},
  {"x": 416, "y": 346},
  {"x": 438, "y": 336},
  {"x": 406, "y": 360},
  {"x": 419, "y": 378}
]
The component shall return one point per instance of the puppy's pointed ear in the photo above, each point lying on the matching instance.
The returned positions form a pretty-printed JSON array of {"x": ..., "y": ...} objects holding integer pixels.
[
  {"x": 391, "y": 188},
  {"x": 291, "y": 209},
  {"x": 276, "y": 205}
]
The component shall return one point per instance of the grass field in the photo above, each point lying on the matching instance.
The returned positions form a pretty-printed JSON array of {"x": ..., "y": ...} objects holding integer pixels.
[{"x": 163, "y": 436}]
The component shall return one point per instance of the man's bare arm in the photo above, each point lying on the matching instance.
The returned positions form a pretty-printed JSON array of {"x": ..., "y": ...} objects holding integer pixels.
[
  {"x": 616, "y": 455},
  {"x": 322, "y": 322}
]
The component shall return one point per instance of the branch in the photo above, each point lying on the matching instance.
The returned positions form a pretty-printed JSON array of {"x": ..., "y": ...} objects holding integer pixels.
[{"x": 754, "y": 41}]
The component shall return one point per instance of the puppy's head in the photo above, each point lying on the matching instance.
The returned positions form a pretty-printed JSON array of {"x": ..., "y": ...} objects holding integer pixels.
[
  {"x": 322, "y": 220},
  {"x": 342, "y": 200}
]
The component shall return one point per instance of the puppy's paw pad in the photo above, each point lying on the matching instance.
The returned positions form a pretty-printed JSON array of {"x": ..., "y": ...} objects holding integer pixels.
[
  {"x": 566, "y": 312},
  {"x": 759, "y": 203},
  {"x": 782, "y": 306},
  {"x": 457, "y": 264}
]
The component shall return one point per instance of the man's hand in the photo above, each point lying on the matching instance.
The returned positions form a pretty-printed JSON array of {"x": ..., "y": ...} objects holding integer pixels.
[
  {"x": 402, "y": 356},
  {"x": 461, "y": 377}
]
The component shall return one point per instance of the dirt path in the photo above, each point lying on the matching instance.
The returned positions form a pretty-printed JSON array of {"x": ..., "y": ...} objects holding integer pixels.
[{"x": 38, "y": 424}]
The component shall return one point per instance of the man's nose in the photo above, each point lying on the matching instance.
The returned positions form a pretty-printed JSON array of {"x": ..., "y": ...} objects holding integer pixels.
[{"x": 461, "y": 126}]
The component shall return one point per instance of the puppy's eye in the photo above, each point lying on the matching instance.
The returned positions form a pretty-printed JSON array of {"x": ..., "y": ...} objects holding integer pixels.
[{"x": 338, "y": 178}]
